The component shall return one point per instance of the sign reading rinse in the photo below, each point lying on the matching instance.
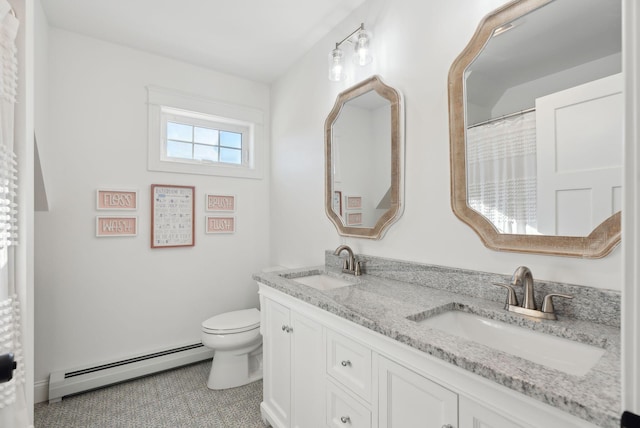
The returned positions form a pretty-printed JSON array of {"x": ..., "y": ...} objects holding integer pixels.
[{"x": 172, "y": 216}]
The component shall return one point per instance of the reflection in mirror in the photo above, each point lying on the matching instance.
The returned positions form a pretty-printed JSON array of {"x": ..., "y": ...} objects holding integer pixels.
[
  {"x": 536, "y": 128},
  {"x": 363, "y": 136}
]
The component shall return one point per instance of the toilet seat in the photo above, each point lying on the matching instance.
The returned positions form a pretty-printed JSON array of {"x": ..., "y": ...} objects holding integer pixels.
[{"x": 233, "y": 322}]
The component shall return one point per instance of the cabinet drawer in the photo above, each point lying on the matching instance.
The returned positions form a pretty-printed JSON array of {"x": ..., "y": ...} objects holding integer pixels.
[
  {"x": 349, "y": 363},
  {"x": 344, "y": 411}
]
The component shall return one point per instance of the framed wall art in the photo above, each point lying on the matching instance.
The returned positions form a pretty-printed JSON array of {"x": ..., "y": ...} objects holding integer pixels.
[
  {"x": 218, "y": 224},
  {"x": 221, "y": 203},
  {"x": 353, "y": 202},
  {"x": 337, "y": 202},
  {"x": 354, "y": 218},
  {"x": 172, "y": 220},
  {"x": 116, "y": 225},
  {"x": 116, "y": 199}
]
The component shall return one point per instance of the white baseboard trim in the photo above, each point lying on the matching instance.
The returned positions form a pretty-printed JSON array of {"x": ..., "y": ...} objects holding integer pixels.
[{"x": 41, "y": 391}]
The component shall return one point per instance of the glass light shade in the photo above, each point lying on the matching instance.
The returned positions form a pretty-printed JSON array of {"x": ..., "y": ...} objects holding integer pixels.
[
  {"x": 362, "y": 55},
  {"x": 336, "y": 65}
]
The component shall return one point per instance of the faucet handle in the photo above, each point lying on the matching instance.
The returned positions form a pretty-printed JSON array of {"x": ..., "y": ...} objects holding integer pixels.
[
  {"x": 547, "y": 303},
  {"x": 511, "y": 295},
  {"x": 358, "y": 268}
]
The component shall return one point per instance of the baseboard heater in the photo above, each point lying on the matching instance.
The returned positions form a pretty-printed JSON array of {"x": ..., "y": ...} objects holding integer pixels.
[{"x": 74, "y": 381}]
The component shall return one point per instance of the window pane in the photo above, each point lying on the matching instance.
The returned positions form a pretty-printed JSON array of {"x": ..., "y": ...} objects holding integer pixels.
[
  {"x": 208, "y": 153},
  {"x": 231, "y": 139},
  {"x": 205, "y": 135},
  {"x": 231, "y": 156},
  {"x": 178, "y": 131},
  {"x": 177, "y": 149}
]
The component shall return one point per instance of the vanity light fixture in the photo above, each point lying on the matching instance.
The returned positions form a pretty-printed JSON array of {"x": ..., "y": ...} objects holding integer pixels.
[{"x": 361, "y": 40}]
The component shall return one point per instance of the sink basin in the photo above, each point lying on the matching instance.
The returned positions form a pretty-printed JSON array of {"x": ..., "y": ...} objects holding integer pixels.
[
  {"x": 571, "y": 357},
  {"x": 322, "y": 281}
]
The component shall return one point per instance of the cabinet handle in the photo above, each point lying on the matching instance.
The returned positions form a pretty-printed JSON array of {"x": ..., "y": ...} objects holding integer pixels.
[
  {"x": 345, "y": 363},
  {"x": 347, "y": 420},
  {"x": 287, "y": 329},
  {"x": 284, "y": 328},
  {"x": 447, "y": 426}
]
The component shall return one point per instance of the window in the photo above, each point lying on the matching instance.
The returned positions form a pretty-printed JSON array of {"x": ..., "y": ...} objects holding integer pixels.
[{"x": 195, "y": 136}]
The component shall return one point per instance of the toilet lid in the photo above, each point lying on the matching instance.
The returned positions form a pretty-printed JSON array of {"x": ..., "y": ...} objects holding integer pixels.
[{"x": 233, "y": 322}]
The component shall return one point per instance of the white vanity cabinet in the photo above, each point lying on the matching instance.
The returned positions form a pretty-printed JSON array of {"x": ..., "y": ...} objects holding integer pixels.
[
  {"x": 322, "y": 371},
  {"x": 474, "y": 415},
  {"x": 293, "y": 367},
  {"x": 409, "y": 400}
]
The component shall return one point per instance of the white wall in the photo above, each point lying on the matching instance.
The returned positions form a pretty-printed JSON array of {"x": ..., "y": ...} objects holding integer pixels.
[
  {"x": 415, "y": 44},
  {"x": 98, "y": 299}
]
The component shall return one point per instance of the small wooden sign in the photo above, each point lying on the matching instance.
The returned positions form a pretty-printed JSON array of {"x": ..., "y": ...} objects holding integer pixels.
[
  {"x": 111, "y": 199},
  {"x": 215, "y": 202},
  {"x": 353, "y": 202},
  {"x": 216, "y": 224},
  {"x": 116, "y": 226},
  {"x": 354, "y": 219}
]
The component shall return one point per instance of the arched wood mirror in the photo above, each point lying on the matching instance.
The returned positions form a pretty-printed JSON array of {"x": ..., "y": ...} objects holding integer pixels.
[
  {"x": 364, "y": 152},
  {"x": 535, "y": 117}
]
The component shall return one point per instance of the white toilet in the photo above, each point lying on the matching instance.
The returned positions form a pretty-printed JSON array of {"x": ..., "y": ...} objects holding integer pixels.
[{"x": 235, "y": 338}]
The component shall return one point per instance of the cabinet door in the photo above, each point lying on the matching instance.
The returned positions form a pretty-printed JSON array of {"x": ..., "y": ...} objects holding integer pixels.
[
  {"x": 408, "y": 400},
  {"x": 474, "y": 415},
  {"x": 307, "y": 372},
  {"x": 276, "y": 353}
]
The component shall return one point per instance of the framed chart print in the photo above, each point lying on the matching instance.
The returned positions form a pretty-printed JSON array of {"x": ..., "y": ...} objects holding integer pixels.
[{"x": 172, "y": 220}]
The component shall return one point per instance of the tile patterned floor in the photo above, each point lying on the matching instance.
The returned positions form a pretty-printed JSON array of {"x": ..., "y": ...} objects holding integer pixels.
[{"x": 174, "y": 399}]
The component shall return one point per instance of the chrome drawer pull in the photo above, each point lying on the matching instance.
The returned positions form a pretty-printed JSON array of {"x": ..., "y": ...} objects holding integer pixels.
[
  {"x": 447, "y": 426},
  {"x": 287, "y": 329},
  {"x": 345, "y": 363},
  {"x": 345, "y": 419}
]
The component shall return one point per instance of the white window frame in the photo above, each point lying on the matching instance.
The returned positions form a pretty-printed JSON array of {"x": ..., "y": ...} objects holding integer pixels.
[{"x": 167, "y": 105}]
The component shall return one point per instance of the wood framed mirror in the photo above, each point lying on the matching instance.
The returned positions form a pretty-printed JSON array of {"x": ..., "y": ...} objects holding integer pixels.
[
  {"x": 364, "y": 155},
  {"x": 535, "y": 121}
]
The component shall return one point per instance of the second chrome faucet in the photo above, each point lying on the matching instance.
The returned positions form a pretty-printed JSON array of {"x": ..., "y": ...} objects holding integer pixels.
[{"x": 523, "y": 276}]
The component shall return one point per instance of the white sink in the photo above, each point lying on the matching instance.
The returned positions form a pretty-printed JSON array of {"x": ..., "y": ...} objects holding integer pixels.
[
  {"x": 557, "y": 353},
  {"x": 322, "y": 281}
]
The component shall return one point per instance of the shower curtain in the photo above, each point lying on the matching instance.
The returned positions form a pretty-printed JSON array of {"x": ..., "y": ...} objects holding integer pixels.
[
  {"x": 501, "y": 172},
  {"x": 13, "y": 411}
]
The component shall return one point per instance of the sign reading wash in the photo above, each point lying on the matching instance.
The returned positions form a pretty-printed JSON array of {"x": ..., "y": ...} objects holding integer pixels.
[{"x": 116, "y": 226}]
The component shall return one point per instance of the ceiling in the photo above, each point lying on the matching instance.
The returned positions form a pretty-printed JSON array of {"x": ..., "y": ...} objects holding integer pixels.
[{"x": 254, "y": 39}]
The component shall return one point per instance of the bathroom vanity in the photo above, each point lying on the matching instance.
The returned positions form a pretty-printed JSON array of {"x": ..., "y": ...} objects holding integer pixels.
[{"x": 347, "y": 351}]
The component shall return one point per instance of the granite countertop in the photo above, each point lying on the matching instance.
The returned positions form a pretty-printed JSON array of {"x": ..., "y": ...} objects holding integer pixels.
[{"x": 392, "y": 307}]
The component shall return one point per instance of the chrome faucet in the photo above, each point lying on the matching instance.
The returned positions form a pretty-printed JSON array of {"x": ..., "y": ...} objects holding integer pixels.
[
  {"x": 350, "y": 264},
  {"x": 523, "y": 276}
]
